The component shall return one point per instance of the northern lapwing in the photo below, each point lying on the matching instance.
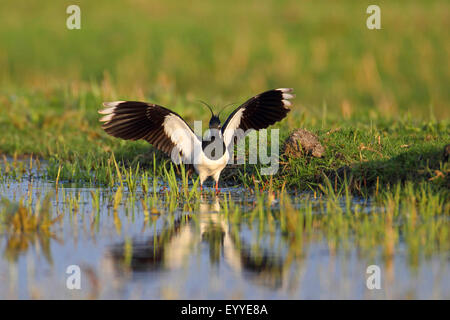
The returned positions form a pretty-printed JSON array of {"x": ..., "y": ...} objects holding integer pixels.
[{"x": 168, "y": 132}]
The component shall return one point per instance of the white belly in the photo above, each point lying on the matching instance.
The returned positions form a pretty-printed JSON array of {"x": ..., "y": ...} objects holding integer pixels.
[{"x": 207, "y": 167}]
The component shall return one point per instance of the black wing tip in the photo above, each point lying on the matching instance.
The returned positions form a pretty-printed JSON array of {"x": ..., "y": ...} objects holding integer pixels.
[
  {"x": 114, "y": 108},
  {"x": 109, "y": 106},
  {"x": 108, "y": 110},
  {"x": 285, "y": 90},
  {"x": 286, "y": 95}
]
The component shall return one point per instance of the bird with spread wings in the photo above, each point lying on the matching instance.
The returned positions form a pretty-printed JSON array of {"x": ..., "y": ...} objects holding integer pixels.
[{"x": 168, "y": 131}]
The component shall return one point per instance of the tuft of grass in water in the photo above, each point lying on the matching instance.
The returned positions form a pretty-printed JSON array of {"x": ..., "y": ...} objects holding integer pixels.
[
  {"x": 24, "y": 226},
  {"x": 17, "y": 218}
]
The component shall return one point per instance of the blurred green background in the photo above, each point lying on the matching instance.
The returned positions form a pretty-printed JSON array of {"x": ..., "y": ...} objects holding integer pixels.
[{"x": 226, "y": 51}]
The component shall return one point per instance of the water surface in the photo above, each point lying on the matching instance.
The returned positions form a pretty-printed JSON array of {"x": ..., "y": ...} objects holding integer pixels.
[{"x": 203, "y": 249}]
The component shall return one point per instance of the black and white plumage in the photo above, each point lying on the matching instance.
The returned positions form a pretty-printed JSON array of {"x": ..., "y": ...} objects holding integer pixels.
[{"x": 168, "y": 132}]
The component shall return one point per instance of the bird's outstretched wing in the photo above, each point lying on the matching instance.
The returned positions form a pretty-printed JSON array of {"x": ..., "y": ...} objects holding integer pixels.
[
  {"x": 163, "y": 128},
  {"x": 257, "y": 113}
]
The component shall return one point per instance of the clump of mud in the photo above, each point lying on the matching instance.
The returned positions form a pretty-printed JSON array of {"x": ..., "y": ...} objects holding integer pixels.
[{"x": 300, "y": 143}]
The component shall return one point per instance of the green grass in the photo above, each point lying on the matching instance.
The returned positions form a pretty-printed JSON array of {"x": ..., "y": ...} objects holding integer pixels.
[
  {"x": 222, "y": 52},
  {"x": 370, "y": 155}
]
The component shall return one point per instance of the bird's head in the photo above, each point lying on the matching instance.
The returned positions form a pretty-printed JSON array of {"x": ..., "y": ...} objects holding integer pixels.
[{"x": 214, "y": 123}]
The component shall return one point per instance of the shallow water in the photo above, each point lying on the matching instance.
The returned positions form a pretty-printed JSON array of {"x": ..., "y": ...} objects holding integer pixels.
[{"x": 194, "y": 250}]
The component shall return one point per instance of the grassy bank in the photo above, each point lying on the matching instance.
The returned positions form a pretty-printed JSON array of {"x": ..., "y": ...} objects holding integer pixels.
[{"x": 368, "y": 153}]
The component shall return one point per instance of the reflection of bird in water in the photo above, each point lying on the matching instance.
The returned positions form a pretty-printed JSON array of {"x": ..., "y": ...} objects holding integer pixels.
[{"x": 177, "y": 242}]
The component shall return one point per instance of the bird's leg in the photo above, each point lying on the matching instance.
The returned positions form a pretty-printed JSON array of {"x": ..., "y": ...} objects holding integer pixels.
[
  {"x": 216, "y": 179},
  {"x": 202, "y": 179},
  {"x": 217, "y": 186}
]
